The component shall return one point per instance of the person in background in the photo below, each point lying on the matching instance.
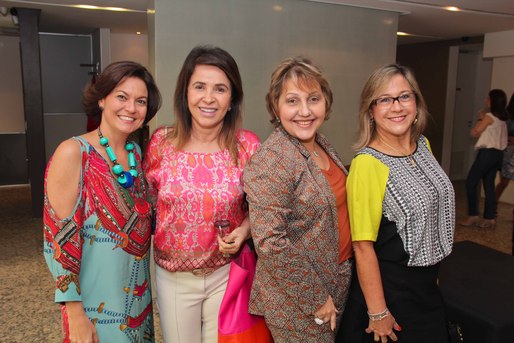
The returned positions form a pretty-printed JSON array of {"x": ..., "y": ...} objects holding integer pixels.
[
  {"x": 491, "y": 131},
  {"x": 402, "y": 218},
  {"x": 194, "y": 173},
  {"x": 295, "y": 185},
  {"x": 507, "y": 169},
  {"x": 97, "y": 218}
]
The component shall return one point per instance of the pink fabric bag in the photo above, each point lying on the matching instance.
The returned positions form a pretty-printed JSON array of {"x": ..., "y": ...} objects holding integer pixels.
[{"x": 235, "y": 324}]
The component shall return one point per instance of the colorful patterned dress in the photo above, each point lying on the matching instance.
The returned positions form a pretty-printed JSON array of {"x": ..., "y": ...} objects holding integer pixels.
[{"x": 100, "y": 253}]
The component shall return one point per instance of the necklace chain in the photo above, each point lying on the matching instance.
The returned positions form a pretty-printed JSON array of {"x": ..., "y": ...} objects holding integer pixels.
[
  {"x": 124, "y": 178},
  {"x": 409, "y": 156},
  {"x": 313, "y": 152}
]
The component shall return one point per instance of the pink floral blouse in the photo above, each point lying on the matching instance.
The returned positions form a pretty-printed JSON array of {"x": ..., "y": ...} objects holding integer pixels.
[{"x": 191, "y": 191}]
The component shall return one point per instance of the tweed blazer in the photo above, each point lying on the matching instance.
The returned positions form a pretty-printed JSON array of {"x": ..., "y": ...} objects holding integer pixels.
[{"x": 294, "y": 225}]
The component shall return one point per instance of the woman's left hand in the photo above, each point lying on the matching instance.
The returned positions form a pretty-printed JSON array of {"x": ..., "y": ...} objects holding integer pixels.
[
  {"x": 231, "y": 243},
  {"x": 327, "y": 312}
]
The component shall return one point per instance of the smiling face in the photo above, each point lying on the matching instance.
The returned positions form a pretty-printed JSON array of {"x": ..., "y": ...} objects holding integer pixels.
[
  {"x": 302, "y": 110},
  {"x": 124, "y": 108},
  {"x": 208, "y": 97},
  {"x": 395, "y": 119}
]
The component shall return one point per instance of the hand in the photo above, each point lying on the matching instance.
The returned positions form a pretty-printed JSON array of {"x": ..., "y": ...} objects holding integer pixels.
[
  {"x": 80, "y": 327},
  {"x": 383, "y": 329},
  {"x": 231, "y": 243},
  {"x": 328, "y": 313}
]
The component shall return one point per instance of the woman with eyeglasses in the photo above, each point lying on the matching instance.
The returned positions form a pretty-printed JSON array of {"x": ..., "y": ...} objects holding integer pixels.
[{"x": 402, "y": 218}]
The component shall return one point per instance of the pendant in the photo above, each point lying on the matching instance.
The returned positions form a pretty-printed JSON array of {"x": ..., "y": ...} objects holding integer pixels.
[
  {"x": 125, "y": 179},
  {"x": 142, "y": 207}
]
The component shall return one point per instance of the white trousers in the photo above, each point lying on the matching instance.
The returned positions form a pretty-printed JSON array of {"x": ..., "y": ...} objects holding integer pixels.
[{"x": 189, "y": 305}]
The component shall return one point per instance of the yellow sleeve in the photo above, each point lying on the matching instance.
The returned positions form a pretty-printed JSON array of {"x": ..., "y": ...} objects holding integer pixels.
[
  {"x": 366, "y": 185},
  {"x": 428, "y": 144}
]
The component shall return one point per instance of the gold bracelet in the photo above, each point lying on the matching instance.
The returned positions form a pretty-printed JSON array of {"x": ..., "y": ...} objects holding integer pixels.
[{"x": 375, "y": 317}]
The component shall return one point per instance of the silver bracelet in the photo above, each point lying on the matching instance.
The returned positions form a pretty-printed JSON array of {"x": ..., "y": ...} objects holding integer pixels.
[{"x": 378, "y": 316}]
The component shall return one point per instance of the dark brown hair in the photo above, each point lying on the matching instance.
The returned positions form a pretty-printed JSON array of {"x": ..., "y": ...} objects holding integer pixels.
[
  {"x": 108, "y": 80},
  {"x": 498, "y": 101},
  {"x": 217, "y": 57}
]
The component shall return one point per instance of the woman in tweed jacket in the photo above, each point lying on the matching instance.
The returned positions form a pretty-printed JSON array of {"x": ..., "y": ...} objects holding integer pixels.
[{"x": 295, "y": 185}]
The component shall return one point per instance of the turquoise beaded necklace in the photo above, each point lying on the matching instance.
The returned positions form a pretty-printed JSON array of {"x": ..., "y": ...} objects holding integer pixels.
[{"x": 125, "y": 178}]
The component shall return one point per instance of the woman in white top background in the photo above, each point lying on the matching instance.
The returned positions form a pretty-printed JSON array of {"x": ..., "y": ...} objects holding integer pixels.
[{"x": 491, "y": 131}]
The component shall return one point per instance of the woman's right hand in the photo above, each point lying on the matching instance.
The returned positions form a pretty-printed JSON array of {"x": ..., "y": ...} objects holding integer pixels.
[
  {"x": 383, "y": 329},
  {"x": 81, "y": 329},
  {"x": 328, "y": 313}
]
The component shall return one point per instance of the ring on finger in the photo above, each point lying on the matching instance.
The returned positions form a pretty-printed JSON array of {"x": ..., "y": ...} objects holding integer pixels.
[{"x": 318, "y": 321}]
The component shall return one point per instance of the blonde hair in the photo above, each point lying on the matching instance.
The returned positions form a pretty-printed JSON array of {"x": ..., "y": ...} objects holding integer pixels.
[
  {"x": 304, "y": 74},
  {"x": 375, "y": 83}
]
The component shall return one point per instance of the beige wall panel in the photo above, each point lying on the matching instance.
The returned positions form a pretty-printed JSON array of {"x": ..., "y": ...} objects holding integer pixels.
[
  {"x": 132, "y": 47},
  {"x": 346, "y": 42}
]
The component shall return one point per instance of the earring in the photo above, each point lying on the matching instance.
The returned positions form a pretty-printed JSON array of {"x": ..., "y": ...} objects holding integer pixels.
[
  {"x": 277, "y": 119},
  {"x": 100, "y": 107},
  {"x": 371, "y": 123},
  {"x": 415, "y": 120},
  {"x": 229, "y": 109}
]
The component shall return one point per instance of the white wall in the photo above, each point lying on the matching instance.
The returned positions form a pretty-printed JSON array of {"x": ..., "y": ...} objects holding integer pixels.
[
  {"x": 503, "y": 74},
  {"x": 12, "y": 116},
  {"x": 499, "y": 47},
  {"x": 132, "y": 47},
  {"x": 346, "y": 42}
]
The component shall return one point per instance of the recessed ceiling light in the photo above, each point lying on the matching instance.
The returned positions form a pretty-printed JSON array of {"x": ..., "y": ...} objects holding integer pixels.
[
  {"x": 399, "y": 33},
  {"x": 278, "y": 8},
  {"x": 138, "y": 32},
  {"x": 452, "y": 8},
  {"x": 86, "y": 7},
  {"x": 114, "y": 9}
]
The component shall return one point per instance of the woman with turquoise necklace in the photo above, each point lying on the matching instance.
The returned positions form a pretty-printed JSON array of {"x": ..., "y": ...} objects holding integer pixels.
[{"x": 97, "y": 217}]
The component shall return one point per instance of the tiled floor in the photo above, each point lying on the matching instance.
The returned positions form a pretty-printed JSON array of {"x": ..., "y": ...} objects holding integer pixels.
[{"x": 27, "y": 311}]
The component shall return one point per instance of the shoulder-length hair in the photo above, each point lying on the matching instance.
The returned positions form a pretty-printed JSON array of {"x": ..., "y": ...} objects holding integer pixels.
[
  {"x": 372, "y": 88},
  {"x": 498, "y": 103},
  {"x": 305, "y": 74},
  {"x": 217, "y": 57},
  {"x": 113, "y": 74}
]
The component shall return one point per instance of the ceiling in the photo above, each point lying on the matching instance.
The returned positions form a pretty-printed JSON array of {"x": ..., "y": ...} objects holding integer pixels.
[{"x": 425, "y": 20}]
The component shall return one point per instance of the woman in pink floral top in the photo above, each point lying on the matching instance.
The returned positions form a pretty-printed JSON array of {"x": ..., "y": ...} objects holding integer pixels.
[{"x": 194, "y": 173}]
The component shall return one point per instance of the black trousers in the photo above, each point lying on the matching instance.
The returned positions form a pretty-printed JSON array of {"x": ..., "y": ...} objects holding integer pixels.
[{"x": 487, "y": 163}]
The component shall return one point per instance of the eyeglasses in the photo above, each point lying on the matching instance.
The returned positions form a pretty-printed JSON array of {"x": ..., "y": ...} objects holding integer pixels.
[{"x": 388, "y": 101}]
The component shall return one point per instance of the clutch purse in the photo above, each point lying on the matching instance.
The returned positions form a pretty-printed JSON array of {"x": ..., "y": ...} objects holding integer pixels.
[{"x": 235, "y": 324}]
